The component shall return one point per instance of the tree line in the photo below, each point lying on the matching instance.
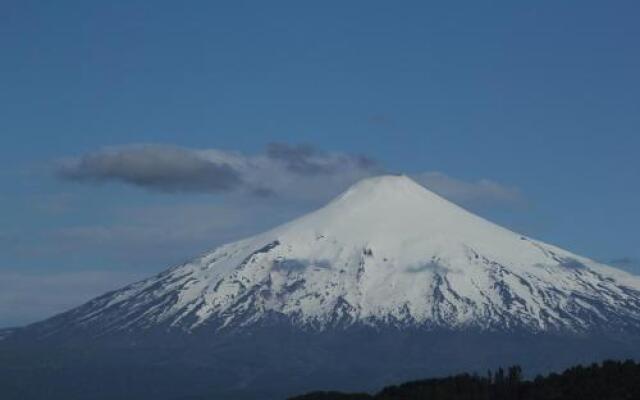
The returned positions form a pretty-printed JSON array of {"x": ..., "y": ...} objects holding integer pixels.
[{"x": 610, "y": 380}]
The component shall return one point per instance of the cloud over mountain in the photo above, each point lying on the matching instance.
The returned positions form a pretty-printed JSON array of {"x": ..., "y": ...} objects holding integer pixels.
[
  {"x": 294, "y": 172},
  {"x": 164, "y": 168},
  {"x": 480, "y": 192}
]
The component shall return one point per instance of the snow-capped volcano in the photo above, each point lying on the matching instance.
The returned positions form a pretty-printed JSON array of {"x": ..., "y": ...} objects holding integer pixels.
[
  {"x": 385, "y": 252},
  {"x": 388, "y": 282}
]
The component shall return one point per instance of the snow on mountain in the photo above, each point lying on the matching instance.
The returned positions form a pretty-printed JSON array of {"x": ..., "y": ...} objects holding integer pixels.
[{"x": 385, "y": 252}]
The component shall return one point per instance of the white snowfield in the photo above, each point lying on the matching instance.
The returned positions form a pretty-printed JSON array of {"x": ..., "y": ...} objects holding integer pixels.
[{"x": 385, "y": 252}]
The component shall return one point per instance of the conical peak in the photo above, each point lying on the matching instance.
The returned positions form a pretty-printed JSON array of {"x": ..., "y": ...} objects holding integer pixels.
[
  {"x": 393, "y": 190},
  {"x": 386, "y": 250},
  {"x": 386, "y": 182},
  {"x": 393, "y": 208}
]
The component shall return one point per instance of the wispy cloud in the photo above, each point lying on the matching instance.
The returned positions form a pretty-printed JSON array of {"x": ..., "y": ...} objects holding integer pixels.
[
  {"x": 630, "y": 264},
  {"x": 307, "y": 160},
  {"x": 382, "y": 120},
  {"x": 158, "y": 235},
  {"x": 293, "y": 171},
  {"x": 290, "y": 172},
  {"x": 482, "y": 192},
  {"x": 29, "y": 296}
]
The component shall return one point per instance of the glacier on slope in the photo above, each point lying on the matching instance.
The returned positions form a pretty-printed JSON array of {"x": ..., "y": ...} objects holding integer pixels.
[{"x": 387, "y": 252}]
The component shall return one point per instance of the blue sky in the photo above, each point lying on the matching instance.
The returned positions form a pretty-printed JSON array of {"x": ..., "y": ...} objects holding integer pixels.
[{"x": 527, "y": 114}]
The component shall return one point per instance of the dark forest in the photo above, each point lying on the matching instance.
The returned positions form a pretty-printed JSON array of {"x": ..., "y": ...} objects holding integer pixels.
[{"x": 610, "y": 380}]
